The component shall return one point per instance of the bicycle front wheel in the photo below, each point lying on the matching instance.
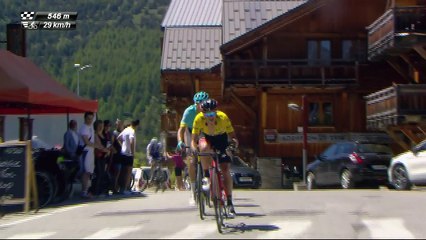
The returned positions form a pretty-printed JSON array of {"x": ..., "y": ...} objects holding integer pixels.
[
  {"x": 219, "y": 206},
  {"x": 200, "y": 197}
]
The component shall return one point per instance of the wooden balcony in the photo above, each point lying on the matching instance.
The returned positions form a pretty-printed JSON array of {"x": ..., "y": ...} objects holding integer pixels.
[
  {"x": 396, "y": 31},
  {"x": 291, "y": 72},
  {"x": 396, "y": 105}
]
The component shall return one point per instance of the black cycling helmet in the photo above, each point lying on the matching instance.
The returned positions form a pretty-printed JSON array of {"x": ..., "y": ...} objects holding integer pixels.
[
  {"x": 200, "y": 96},
  {"x": 209, "y": 105}
]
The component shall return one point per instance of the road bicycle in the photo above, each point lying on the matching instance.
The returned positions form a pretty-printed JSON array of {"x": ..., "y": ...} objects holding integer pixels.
[
  {"x": 159, "y": 176},
  {"x": 217, "y": 189}
]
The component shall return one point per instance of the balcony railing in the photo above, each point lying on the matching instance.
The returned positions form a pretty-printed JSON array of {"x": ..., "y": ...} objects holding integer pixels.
[
  {"x": 291, "y": 72},
  {"x": 397, "y": 29},
  {"x": 395, "y": 105}
]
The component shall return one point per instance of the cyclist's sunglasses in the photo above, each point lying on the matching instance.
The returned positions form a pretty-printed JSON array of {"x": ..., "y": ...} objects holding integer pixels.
[{"x": 209, "y": 114}]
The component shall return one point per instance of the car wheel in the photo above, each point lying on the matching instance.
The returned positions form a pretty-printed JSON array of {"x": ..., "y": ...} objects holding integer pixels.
[
  {"x": 400, "y": 178},
  {"x": 310, "y": 181},
  {"x": 346, "y": 179}
]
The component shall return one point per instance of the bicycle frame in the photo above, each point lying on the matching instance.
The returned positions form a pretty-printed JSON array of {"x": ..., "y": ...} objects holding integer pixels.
[{"x": 217, "y": 190}]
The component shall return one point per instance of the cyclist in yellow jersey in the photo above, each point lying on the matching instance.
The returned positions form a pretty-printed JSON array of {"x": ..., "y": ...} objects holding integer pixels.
[{"x": 211, "y": 130}]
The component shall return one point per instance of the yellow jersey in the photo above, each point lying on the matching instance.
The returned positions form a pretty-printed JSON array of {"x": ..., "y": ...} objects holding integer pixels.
[{"x": 222, "y": 124}]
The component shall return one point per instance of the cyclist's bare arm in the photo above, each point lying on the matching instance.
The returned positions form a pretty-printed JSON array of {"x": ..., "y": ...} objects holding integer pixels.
[
  {"x": 194, "y": 142},
  {"x": 180, "y": 135}
]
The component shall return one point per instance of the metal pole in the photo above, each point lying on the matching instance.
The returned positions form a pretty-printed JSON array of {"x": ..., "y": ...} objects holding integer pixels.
[
  {"x": 78, "y": 81},
  {"x": 305, "y": 136}
]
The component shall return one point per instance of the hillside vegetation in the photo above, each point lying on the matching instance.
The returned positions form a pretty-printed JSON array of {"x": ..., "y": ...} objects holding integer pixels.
[{"x": 120, "y": 38}]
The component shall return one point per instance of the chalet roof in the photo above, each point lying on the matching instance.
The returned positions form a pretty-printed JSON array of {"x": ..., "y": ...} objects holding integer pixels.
[
  {"x": 260, "y": 31},
  {"x": 194, "y": 31},
  {"x": 191, "y": 48},
  {"x": 193, "y": 13},
  {"x": 241, "y": 16}
]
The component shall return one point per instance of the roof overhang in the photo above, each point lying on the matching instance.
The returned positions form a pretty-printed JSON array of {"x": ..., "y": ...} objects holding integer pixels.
[{"x": 271, "y": 26}]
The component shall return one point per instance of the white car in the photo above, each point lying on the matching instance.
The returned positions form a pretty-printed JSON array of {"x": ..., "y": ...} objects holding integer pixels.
[{"x": 409, "y": 168}]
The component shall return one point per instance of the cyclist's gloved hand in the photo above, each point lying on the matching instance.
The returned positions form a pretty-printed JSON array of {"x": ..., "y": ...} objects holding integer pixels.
[
  {"x": 234, "y": 142},
  {"x": 180, "y": 146}
]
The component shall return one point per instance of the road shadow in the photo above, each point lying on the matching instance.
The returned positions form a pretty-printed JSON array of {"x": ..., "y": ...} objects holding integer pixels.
[
  {"x": 245, "y": 205},
  {"x": 295, "y": 212},
  {"x": 72, "y": 201},
  {"x": 242, "y": 227},
  {"x": 249, "y": 214},
  {"x": 147, "y": 211}
]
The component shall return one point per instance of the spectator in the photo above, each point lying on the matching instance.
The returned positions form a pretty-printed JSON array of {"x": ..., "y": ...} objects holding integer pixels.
[
  {"x": 88, "y": 158},
  {"x": 101, "y": 154},
  {"x": 71, "y": 141},
  {"x": 127, "y": 139},
  {"x": 116, "y": 156}
]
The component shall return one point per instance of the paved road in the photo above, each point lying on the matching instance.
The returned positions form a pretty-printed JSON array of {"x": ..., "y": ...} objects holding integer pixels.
[{"x": 261, "y": 214}]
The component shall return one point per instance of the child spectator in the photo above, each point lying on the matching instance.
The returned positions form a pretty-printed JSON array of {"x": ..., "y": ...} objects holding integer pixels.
[{"x": 179, "y": 165}]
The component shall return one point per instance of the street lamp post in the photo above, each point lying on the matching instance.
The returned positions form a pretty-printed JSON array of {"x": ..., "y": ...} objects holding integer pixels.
[
  {"x": 79, "y": 68},
  {"x": 304, "y": 110}
]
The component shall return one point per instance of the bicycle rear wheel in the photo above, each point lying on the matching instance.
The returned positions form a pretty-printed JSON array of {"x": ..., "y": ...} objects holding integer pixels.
[
  {"x": 219, "y": 206},
  {"x": 46, "y": 188},
  {"x": 143, "y": 181},
  {"x": 200, "y": 196}
]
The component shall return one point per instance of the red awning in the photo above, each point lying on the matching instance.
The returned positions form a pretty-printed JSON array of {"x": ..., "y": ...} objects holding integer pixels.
[{"x": 26, "y": 89}]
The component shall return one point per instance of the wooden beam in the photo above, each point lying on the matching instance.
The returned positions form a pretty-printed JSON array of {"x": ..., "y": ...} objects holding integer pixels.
[
  {"x": 411, "y": 135},
  {"x": 321, "y": 35},
  {"x": 411, "y": 131},
  {"x": 397, "y": 139},
  {"x": 263, "y": 107},
  {"x": 244, "y": 91},
  {"x": 399, "y": 69},
  {"x": 420, "y": 49},
  {"x": 246, "y": 108}
]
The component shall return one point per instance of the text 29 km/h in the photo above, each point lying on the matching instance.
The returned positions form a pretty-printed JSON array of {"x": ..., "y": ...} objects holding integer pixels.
[{"x": 48, "y": 25}]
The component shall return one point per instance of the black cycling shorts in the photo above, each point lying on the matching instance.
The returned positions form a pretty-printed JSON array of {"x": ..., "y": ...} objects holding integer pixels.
[{"x": 220, "y": 143}]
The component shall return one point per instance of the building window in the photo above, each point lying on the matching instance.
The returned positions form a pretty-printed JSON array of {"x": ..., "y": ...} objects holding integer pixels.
[
  {"x": 354, "y": 50},
  {"x": 319, "y": 52},
  {"x": 320, "y": 114}
]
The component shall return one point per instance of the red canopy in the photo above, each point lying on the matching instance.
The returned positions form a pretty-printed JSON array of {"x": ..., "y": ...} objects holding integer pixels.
[{"x": 26, "y": 89}]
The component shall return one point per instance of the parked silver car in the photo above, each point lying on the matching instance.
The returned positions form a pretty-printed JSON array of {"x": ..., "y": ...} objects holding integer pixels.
[{"x": 409, "y": 168}]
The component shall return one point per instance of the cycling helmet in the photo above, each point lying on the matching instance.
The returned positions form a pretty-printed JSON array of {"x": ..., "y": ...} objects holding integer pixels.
[
  {"x": 209, "y": 105},
  {"x": 154, "y": 140},
  {"x": 200, "y": 96}
]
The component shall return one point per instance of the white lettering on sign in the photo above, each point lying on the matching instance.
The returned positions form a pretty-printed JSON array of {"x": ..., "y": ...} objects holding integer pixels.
[
  {"x": 5, "y": 174},
  {"x": 6, "y": 185},
  {"x": 10, "y": 163},
  {"x": 15, "y": 150}
]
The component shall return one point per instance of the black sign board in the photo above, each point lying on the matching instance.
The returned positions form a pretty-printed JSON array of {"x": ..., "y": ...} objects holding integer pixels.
[{"x": 17, "y": 177}]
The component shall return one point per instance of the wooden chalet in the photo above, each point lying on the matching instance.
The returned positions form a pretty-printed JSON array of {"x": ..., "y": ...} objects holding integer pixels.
[{"x": 340, "y": 55}]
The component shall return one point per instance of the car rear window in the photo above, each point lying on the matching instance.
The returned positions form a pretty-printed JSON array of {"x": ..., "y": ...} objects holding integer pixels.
[{"x": 374, "y": 148}]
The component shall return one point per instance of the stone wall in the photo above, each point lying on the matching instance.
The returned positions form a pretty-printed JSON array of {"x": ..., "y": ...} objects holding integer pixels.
[{"x": 270, "y": 171}]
